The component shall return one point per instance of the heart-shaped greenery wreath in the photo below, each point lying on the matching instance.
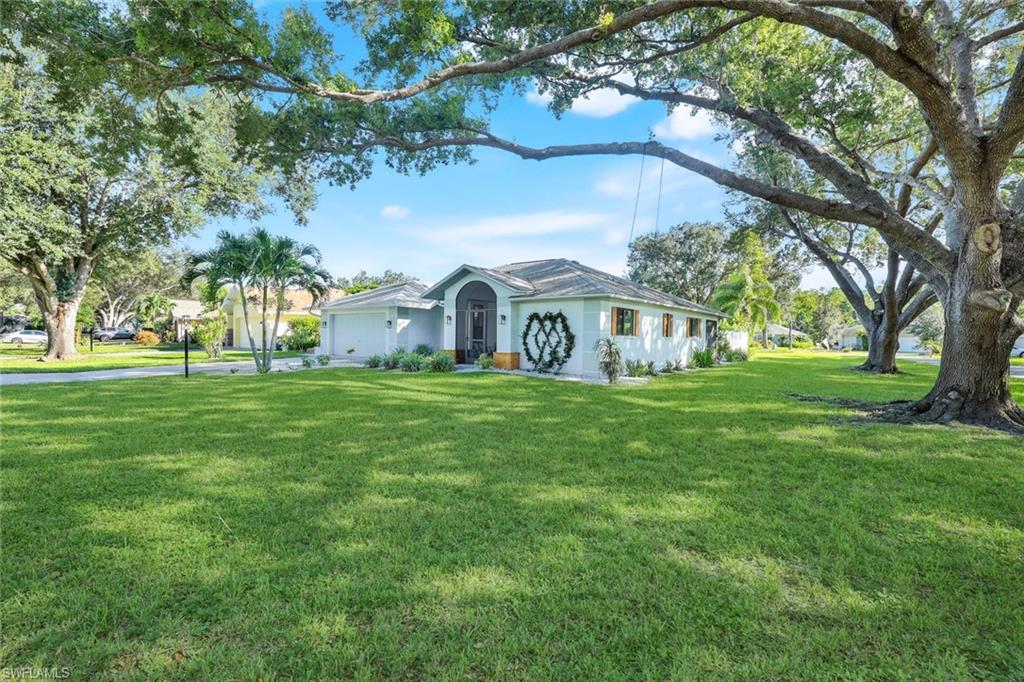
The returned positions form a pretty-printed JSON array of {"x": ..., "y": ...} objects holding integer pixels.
[{"x": 552, "y": 341}]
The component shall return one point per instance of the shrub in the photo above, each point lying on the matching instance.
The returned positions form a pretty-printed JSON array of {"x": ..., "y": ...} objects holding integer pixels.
[
  {"x": 423, "y": 349},
  {"x": 485, "y": 361},
  {"x": 441, "y": 362},
  {"x": 637, "y": 368},
  {"x": 609, "y": 359},
  {"x": 393, "y": 359},
  {"x": 668, "y": 367},
  {"x": 932, "y": 347},
  {"x": 703, "y": 358},
  {"x": 307, "y": 362},
  {"x": 374, "y": 361},
  {"x": 732, "y": 355},
  {"x": 411, "y": 362},
  {"x": 145, "y": 338},
  {"x": 323, "y": 360},
  {"x": 303, "y": 333},
  {"x": 210, "y": 333}
]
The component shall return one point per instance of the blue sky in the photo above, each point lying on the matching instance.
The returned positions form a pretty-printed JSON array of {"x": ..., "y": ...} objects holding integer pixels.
[{"x": 505, "y": 209}]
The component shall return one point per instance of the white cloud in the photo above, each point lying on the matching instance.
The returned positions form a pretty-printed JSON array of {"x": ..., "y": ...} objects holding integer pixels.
[
  {"x": 684, "y": 124},
  {"x": 537, "y": 224},
  {"x": 395, "y": 212},
  {"x": 600, "y": 103}
]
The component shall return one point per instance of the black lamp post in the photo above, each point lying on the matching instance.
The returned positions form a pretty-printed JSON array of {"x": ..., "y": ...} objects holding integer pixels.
[
  {"x": 185, "y": 321},
  {"x": 91, "y": 330}
]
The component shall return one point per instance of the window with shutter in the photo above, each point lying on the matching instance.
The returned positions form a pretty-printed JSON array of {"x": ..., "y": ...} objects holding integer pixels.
[
  {"x": 667, "y": 324},
  {"x": 625, "y": 322}
]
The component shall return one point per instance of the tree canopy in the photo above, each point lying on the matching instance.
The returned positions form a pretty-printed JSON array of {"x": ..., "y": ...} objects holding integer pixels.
[{"x": 875, "y": 103}]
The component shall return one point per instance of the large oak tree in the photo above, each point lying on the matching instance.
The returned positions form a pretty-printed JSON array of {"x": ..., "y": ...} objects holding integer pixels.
[
  {"x": 800, "y": 76},
  {"x": 106, "y": 179}
]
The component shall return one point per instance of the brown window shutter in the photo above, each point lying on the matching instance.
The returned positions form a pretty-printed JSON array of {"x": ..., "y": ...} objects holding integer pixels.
[
  {"x": 636, "y": 322},
  {"x": 615, "y": 320}
]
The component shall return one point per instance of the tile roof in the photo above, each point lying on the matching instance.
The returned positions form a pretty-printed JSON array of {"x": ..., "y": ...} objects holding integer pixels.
[
  {"x": 562, "y": 277},
  {"x": 405, "y": 294}
]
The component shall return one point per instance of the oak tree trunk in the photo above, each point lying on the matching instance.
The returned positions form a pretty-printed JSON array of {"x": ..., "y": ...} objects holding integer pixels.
[
  {"x": 981, "y": 327},
  {"x": 59, "y": 321},
  {"x": 883, "y": 342}
]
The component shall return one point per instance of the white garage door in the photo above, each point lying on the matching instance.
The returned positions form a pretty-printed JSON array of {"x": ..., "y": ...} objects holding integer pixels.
[{"x": 362, "y": 331}]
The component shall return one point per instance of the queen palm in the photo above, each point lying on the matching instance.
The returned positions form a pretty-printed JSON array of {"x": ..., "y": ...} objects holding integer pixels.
[
  {"x": 152, "y": 306},
  {"x": 749, "y": 299},
  {"x": 270, "y": 265}
]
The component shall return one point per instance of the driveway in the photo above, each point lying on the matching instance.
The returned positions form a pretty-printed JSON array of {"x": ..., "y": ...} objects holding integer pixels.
[
  {"x": 1015, "y": 370},
  {"x": 240, "y": 367}
]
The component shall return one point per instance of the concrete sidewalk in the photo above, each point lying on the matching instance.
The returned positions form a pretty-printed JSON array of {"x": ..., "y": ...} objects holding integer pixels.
[{"x": 241, "y": 367}]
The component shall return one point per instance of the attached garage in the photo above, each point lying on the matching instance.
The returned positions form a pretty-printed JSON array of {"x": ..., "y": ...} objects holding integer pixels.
[
  {"x": 365, "y": 332},
  {"x": 381, "y": 320}
]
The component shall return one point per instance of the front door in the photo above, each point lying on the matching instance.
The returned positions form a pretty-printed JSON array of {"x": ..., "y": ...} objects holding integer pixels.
[{"x": 476, "y": 335}]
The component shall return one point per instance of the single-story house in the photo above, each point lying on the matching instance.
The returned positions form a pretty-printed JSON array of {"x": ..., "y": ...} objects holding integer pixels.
[
  {"x": 476, "y": 310},
  {"x": 182, "y": 308},
  {"x": 856, "y": 338},
  {"x": 298, "y": 303},
  {"x": 779, "y": 334}
]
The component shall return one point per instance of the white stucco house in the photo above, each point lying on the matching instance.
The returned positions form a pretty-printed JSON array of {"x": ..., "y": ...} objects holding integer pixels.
[
  {"x": 855, "y": 338},
  {"x": 478, "y": 310}
]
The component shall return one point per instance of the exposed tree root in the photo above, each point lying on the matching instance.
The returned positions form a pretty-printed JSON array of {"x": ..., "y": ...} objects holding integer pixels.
[
  {"x": 948, "y": 409},
  {"x": 875, "y": 368}
]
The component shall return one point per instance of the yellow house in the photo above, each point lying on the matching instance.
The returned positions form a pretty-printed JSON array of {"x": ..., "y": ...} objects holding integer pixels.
[{"x": 298, "y": 303}]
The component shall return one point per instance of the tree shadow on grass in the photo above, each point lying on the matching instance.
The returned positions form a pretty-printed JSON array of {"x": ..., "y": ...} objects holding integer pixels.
[{"x": 345, "y": 522}]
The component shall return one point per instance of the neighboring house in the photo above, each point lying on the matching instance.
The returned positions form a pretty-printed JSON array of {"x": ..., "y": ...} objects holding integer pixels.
[
  {"x": 855, "y": 338},
  {"x": 779, "y": 334},
  {"x": 298, "y": 303},
  {"x": 182, "y": 308},
  {"x": 477, "y": 310}
]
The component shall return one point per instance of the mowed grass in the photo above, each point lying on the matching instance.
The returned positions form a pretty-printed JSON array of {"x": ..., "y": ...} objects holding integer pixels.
[
  {"x": 26, "y": 359},
  {"x": 354, "y": 523}
]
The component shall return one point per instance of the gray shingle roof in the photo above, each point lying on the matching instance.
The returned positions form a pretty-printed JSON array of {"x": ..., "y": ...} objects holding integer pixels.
[
  {"x": 561, "y": 277},
  {"x": 405, "y": 295}
]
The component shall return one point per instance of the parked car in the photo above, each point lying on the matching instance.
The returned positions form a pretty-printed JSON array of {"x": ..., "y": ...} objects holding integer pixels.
[
  {"x": 1018, "y": 349},
  {"x": 112, "y": 333},
  {"x": 25, "y": 336}
]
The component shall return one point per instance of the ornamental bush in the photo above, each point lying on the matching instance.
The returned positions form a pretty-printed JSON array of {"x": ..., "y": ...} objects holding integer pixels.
[
  {"x": 303, "y": 333},
  {"x": 703, "y": 359},
  {"x": 609, "y": 359},
  {"x": 393, "y": 359},
  {"x": 412, "y": 362},
  {"x": 485, "y": 361},
  {"x": 374, "y": 361},
  {"x": 548, "y": 341},
  {"x": 441, "y": 362},
  {"x": 638, "y": 368},
  {"x": 145, "y": 338},
  {"x": 210, "y": 332},
  {"x": 423, "y": 349}
]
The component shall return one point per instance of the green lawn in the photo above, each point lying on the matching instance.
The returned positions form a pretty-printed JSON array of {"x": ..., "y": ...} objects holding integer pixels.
[
  {"x": 24, "y": 360},
  {"x": 353, "y": 523}
]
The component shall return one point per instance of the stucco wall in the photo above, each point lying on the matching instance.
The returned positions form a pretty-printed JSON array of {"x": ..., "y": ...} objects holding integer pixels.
[
  {"x": 574, "y": 313},
  {"x": 590, "y": 320},
  {"x": 416, "y": 326},
  {"x": 650, "y": 344}
]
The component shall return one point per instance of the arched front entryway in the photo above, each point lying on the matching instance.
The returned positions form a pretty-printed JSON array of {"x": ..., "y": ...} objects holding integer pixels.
[{"x": 476, "y": 317}]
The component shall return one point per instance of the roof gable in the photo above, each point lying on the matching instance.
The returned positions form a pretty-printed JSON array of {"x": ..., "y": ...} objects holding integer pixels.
[
  {"x": 510, "y": 281},
  {"x": 405, "y": 295}
]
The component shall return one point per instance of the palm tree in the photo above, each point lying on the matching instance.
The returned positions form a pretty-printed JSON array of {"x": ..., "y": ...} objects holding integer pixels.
[
  {"x": 271, "y": 265},
  {"x": 749, "y": 299},
  {"x": 152, "y": 306}
]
